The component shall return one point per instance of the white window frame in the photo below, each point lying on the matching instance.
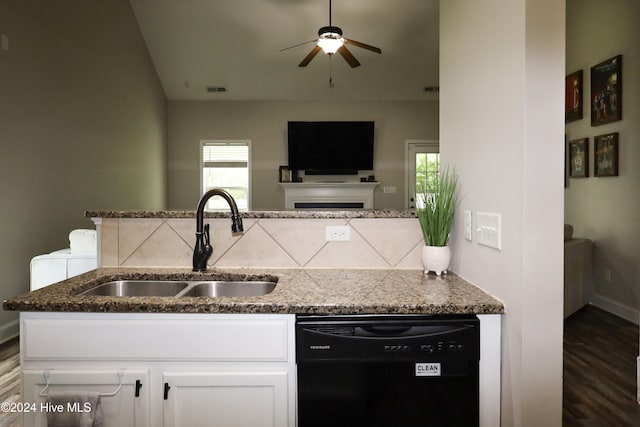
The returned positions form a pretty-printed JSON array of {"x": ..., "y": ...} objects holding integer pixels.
[{"x": 245, "y": 142}]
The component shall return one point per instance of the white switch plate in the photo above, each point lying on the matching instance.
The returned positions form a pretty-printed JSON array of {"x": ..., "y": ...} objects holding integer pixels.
[
  {"x": 337, "y": 233},
  {"x": 4, "y": 42},
  {"x": 388, "y": 190},
  {"x": 468, "y": 226},
  {"x": 489, "y": 229}
]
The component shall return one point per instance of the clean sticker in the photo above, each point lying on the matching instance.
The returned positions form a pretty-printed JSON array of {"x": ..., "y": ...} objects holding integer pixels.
[{"x": 427, "y": 369}]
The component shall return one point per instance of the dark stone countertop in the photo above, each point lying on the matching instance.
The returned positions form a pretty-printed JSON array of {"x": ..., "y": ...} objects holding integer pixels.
[
  {"x": 299, "y": 291},
  {"x": 293, "y": 213}
]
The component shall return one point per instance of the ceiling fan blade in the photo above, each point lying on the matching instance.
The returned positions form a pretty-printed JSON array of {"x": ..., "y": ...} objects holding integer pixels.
[
  {"x": 310, "y": 56},
  {"x": 299, "y": 44},
  {"x": 348, "y": 56},
  {"x": 364, "y": 46}
]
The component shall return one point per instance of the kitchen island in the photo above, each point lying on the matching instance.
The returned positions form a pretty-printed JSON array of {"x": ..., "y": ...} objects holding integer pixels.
[
  {"x": 185, "y": 361},
  {"x": 175, "y": 361}
]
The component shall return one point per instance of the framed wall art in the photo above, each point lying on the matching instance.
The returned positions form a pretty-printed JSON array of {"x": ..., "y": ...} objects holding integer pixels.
[
  {"x": 579, "y": 158},
  {"x": 285, "y": 174},
  {"x": 573, "y": 97},
  {"x": 606, "y": 155},
  {"x": 606, "y": 91}
]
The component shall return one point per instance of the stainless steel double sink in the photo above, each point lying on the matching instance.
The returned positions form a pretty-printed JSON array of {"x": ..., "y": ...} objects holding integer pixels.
[{"x": 185, "y": 288}]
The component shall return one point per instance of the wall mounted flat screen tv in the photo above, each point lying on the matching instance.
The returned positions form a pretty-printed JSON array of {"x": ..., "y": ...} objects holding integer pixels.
[{"x": 331, "y": 148}]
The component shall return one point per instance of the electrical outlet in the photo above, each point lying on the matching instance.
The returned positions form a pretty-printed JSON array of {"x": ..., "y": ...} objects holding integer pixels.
[{"x": 337, "y": 233}]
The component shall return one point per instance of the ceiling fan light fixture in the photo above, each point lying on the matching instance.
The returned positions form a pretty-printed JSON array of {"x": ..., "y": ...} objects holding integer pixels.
[
  {"x": 330, "y": 45},
  {"x": 330, "y": 39}
]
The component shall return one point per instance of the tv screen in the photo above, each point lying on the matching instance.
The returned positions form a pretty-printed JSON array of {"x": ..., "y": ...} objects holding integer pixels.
[{"x": 331, "y": 147}]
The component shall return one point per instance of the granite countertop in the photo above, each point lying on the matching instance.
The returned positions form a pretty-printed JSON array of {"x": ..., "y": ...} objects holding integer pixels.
[
  {"x": 293, "y": 213},
  {"x": 299, "y": 291}
]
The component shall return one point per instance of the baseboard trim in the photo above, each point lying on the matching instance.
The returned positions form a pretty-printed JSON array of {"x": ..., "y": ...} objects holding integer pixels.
[
  {"x": 614, "y": 307},
  {"x": 9, "y": 330}
]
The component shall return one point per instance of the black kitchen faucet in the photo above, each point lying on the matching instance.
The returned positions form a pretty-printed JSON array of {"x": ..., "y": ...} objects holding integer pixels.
[{"x": 203, "y": 249}]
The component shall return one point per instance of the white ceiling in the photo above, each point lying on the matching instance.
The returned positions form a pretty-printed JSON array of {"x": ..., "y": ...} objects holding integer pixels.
[{"x": 236, "y": 44}]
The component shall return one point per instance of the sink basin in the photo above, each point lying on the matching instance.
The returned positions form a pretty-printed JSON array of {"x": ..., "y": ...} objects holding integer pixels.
[
  {"x": 137, "y": 288},
  {"x": 169, "y": 288},
  {"x": 229, "y": 289}
]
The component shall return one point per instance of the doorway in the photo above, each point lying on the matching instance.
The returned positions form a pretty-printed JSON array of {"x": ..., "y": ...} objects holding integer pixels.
[{"x": 422, "y": 166}]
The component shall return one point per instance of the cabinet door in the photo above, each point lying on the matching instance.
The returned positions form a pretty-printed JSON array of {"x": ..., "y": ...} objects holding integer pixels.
[
  {"x": 226, "y": 399},
  {"x": 124, "y": 409}
]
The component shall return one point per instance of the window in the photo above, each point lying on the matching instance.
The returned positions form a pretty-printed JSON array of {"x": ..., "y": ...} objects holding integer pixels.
[
  {"x": 423, "y": 166},
  {"x": 225, "y": 164}
]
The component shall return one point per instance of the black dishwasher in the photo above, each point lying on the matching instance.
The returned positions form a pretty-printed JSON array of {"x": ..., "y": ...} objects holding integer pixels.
[{"x": 390, "y": 370}]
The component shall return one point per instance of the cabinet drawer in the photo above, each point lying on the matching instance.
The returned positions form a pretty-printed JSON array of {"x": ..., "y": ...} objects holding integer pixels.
[{"x": 93, "y": 336}]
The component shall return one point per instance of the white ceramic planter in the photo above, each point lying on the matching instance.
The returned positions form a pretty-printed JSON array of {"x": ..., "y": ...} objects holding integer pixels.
[{"x": 436, "y": 259}]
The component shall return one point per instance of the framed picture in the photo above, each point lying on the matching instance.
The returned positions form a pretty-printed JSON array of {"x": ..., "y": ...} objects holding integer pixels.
[
  {"x": 579, "y": 158},
  {"x": 606, "y": 91},
  {"x": 573, "y": 97},
  {"x": 606, "y": 154},
  {"x": 285, "y": 174}
]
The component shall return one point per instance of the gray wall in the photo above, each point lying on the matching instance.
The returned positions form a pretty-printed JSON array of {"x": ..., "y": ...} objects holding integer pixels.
[
  {"x": 265, "y": 124},
  {"x": 82, "y": 126},
  {"x": 606, "y": 209},
  {"x": 502, "y": 127}
]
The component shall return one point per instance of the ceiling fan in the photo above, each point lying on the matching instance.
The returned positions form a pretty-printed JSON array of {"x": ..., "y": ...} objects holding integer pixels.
[{"x": 330, "y": 41}]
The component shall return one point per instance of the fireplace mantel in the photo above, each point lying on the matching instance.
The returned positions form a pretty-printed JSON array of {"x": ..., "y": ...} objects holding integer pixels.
[{"x": 328, "y": 195}]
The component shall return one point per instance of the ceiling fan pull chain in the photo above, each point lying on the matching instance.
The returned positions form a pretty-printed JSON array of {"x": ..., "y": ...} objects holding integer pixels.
[{"x": 331, "y": 84}]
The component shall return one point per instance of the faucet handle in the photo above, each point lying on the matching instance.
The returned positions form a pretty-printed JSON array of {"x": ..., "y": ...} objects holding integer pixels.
[
  {"x": 205, "y": 235},
  {"x": 208, "y": 249}
]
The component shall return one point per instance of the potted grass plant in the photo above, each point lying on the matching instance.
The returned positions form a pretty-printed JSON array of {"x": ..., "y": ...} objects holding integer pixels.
[{"x": 435, "y": 214}]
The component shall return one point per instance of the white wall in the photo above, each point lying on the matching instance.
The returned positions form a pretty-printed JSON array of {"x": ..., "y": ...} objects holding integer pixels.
[
  {"x": 265, "y": 124},
  {"x": 502, "y": 128},
  {"x": 82, "y": 126},
  {"x": 606, "y": 209}
]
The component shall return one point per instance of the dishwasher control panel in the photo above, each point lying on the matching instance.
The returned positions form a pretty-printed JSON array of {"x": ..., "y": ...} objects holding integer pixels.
[{"x": 379, "y": 337}]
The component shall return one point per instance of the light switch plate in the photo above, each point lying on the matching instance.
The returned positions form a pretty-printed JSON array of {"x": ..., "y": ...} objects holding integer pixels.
[
  {"x": 4, "y": 42},
  {"x": 489, "y": 229},
  {"x": 388, "y": 190},
  {"x": 468, "y": 226}
]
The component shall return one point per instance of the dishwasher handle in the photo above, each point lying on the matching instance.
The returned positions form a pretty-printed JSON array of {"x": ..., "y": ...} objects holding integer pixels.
[
  {"x": 381, "y": 331},
  {"x": 384, "y": 330}
]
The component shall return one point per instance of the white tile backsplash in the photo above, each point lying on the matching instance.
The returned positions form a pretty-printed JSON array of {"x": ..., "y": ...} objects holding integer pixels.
[{"x": 266, "y": 242}]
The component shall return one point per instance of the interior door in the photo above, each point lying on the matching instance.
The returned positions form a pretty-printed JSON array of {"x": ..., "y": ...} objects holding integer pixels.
[{"x": 422, "y": 165}]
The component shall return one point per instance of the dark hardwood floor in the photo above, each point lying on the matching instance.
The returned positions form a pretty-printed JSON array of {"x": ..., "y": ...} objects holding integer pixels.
[{"x": 600, "y": 352}]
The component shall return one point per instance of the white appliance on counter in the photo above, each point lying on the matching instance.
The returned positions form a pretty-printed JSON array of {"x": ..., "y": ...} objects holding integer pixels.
[{"x": 78, "y": 258}]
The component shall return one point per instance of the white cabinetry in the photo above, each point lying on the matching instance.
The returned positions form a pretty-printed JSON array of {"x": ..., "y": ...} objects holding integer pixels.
[
  {"x": 226, "y": 399},
  {"x": 219, "y": 369},
  {"x": 129, "y": 407}
]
